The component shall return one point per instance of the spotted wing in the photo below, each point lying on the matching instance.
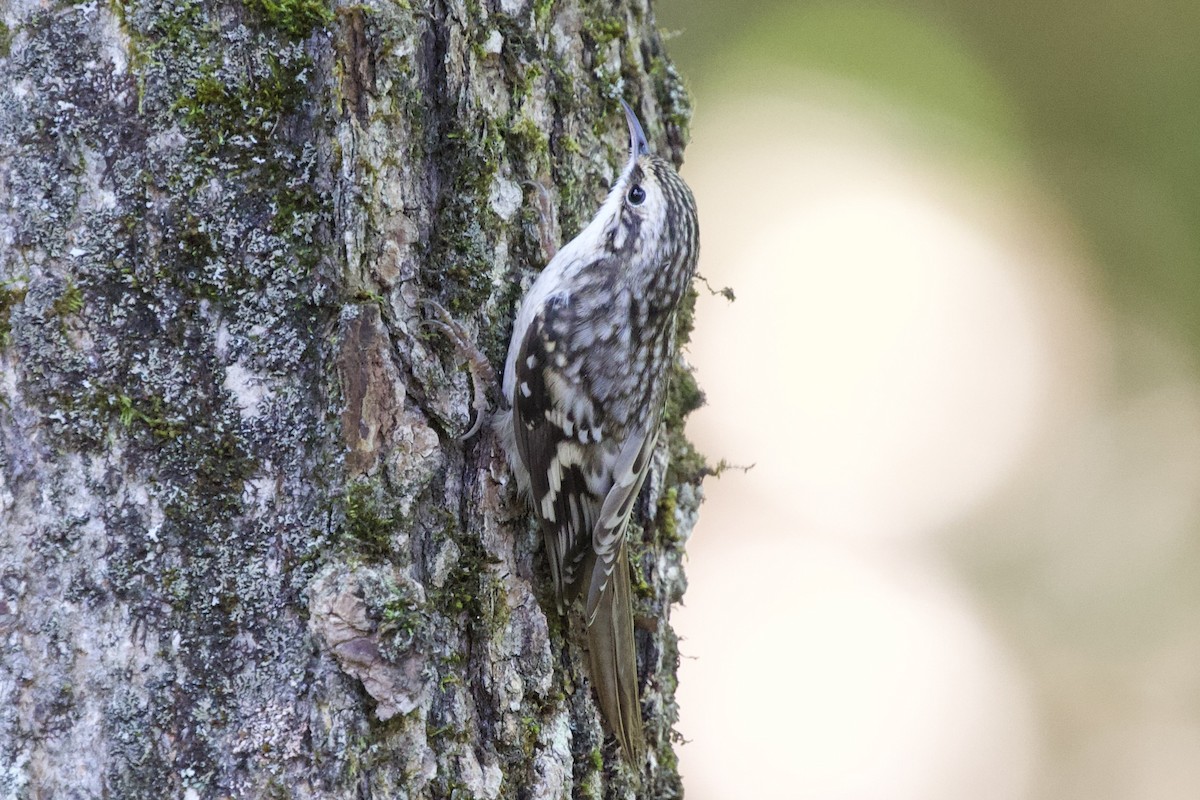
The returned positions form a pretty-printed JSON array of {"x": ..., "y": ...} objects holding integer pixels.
[{"x": 545, "y": 427}]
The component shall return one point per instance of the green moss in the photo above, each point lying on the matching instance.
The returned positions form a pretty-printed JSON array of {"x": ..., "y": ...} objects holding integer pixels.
[
  {"x": 147, "y": 412},
  {"x": 241, "y": 124},
  {"x": 532, "y": 728},
  {"x": 234, "y": 119},
  {"x": 467, "y": 227},
  {"x": 468, "y": 588},
  {"x": 602, "y": 30},
  {"x": 296, "y": 207},
  {"x": 12, "y": 293},
  {"x": 665, "y": 515},
  {"x": 569, "y": 144},
  {"x": 683, "y": 397},
  {"x": 218, "y": 466},
  {"x": 6, "y": 36},
  {"x": 69, "y": 302},
  {"x": 668, "y": 760},
  {"x": 402, "y": 621},
  {"x": 526, "y": 138},
  {"x": 460, "y": 593},
  {"x": 402, "y": 614},
  {"x": 523, "y": 80},
  {"x": 541, "y": 11},
  {"x": 453, "y": 789},
  {"x": 592, "y": 788},
  {"x": 217, "y": 110},
  {"x": 181, "y": 27},
  {"x": 368, "y": 528},
  {"x": 674, "y": 102},
  {"x": 176, "y": 588},
  {"x": 297, "y": 18},
  {"x": 368, "y": 296},
  {"x": 635, "y": 541},
  {"x": 687, "y": 464}
]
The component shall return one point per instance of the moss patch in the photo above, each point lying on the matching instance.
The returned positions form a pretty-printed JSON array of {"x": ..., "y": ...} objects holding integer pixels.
[
  {"x": 6, "y": 36},
  {"x": 687, "y": 464},
  {"x": 664, "y": 516},
  {"x": 368, "y": 525},
  {"x": 297, "y": 18},
  {"x": 12, "y": 293},
  {"x": 466, "y": 227},
  {"x": 69, "y": 302},
  {"x": 600, "y": 30},
  {"x": 149, "y": 413}
]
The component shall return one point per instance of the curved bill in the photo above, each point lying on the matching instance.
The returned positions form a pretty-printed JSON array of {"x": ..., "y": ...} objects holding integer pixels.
[{"x": 638, "y": 146}]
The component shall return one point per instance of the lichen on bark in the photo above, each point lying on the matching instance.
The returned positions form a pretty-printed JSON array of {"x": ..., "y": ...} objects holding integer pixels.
[{"x": 242, "y": 552}]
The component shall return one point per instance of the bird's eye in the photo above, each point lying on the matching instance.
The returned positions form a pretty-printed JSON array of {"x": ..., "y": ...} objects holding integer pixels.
[{"x": 637, "y": 195}]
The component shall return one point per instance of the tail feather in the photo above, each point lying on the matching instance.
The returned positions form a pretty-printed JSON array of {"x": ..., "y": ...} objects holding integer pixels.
[{"x": 613, "y": 657}]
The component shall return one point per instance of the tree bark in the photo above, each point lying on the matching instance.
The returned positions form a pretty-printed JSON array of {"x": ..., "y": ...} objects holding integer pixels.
[{"x": 242, "y": 552}]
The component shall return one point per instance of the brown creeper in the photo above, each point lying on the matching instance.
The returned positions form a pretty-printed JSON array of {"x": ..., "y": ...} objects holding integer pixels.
[{"x": 585, "y": 382}]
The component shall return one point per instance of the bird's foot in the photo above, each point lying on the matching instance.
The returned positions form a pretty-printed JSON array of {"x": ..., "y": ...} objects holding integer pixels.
[{"x": 482, "y": 374}]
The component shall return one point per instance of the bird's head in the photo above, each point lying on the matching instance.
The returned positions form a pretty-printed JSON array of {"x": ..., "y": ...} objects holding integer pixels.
[{"x": 649, "y": 220}]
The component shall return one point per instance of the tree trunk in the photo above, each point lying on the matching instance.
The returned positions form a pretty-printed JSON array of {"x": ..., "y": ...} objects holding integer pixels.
[{"x": 242, "y": 551}]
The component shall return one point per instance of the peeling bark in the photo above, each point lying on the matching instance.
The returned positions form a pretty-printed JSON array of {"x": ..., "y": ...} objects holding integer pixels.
[{"x": 242, "y": 553}]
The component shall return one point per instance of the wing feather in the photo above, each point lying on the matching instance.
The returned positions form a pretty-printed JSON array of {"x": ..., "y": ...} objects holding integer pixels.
[
  {"x": 556, "y": 461},
  {"x": 608, "y": 535}
]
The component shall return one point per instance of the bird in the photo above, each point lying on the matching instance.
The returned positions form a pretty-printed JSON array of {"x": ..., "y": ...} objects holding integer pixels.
[{"x": 584, "y": 388}]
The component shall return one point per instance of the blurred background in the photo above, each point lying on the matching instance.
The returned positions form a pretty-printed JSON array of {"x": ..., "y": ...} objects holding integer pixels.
[{"x": 962, "y": 361}]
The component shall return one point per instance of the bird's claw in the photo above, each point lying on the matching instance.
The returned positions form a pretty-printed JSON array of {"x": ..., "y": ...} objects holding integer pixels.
[{"x": 482, "y": 374}]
